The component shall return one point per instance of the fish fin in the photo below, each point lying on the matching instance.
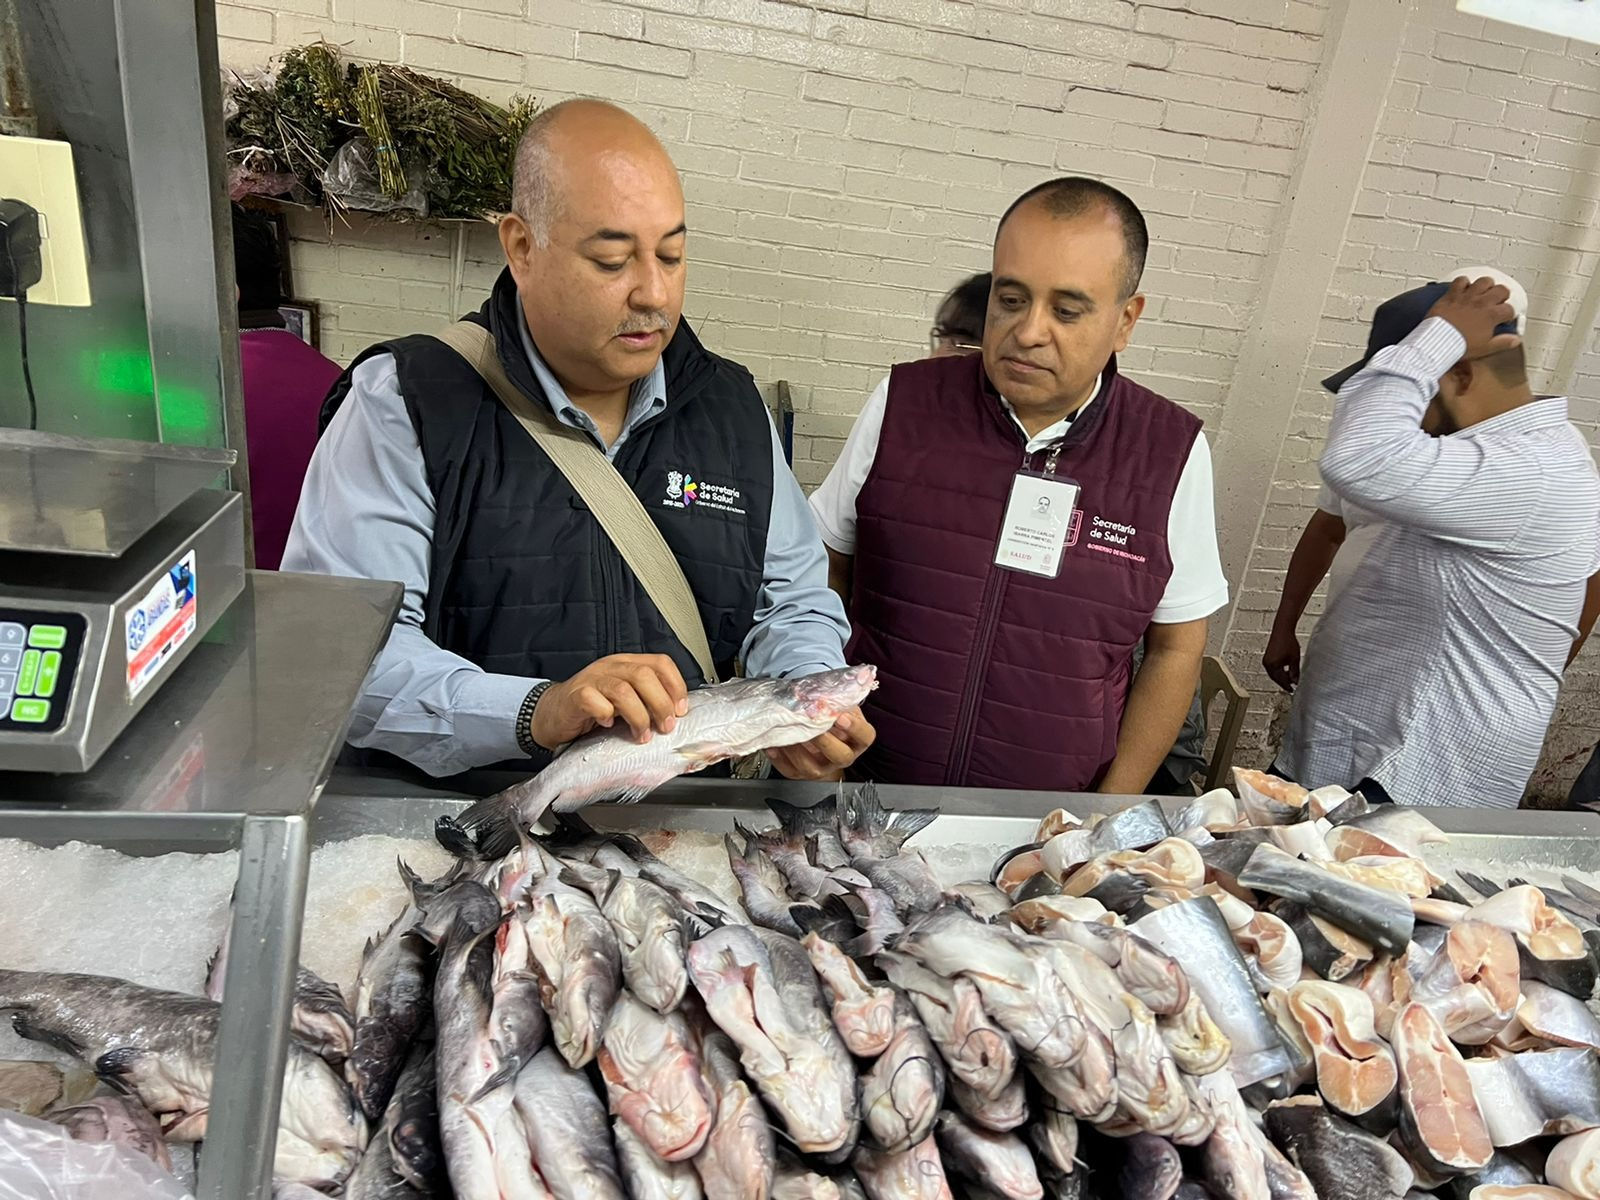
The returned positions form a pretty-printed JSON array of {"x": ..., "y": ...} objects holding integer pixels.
[
  {"x": 113, "y": 1066},
  {"x": 597, "y": 881},
  {"x": 860, "y": 809},
  {"x": 484, "y": 831},
  {"x": 509, "y": 1070},
  {"x": 1484, "y": 887},
  {"x": 635, "y": 794},
  {"x": 907, "y": 822},
  {"x": 796, "y": 819},
  {"x": 214, "y": 985}
]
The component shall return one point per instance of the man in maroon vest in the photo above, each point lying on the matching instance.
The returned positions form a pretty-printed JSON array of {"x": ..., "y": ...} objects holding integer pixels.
[{"x": 991, "y": 676}]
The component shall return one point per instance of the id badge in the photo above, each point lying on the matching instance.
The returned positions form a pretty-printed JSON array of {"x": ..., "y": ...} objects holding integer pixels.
[{"x": 1038, "y": 517}]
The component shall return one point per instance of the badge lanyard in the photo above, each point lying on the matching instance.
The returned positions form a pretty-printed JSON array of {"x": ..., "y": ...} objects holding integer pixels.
[{"x": 1038, "y": 519}]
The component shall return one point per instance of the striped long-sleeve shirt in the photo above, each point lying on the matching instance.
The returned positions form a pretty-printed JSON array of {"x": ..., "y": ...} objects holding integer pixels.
[{"x": 1436, "y": 670}]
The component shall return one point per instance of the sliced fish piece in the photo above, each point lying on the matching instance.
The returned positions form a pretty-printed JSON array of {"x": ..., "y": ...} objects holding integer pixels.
[
  {"x": 1330, "y": 951},
  {"x": 1013, "y": 869},
  {"x": 903, "y": 1090},
  {"x": 1057, "y": 820},
  {"x": 1555, "y": 951},
  {"x": 1215, "y": 810},
  {"x": 1574, "y": 1164},
  {"x": 1558, "y": 1017},
  {"x": 1194, "y": 934},
  {"x": 1385, "y": 829},
  {"x": 1504, "y": 1170},
  {"x": 1272, "y": 950},
  {"x": 1356, "y": 1072},
  {"x": 1395, "y": 872},
  {"x": 1537, "y": 1092},
  {"x": 1472, "y": 984},
  {"x": 1269, "y": 800},
  {"x": 1388, "y": 984},
  {"x": 1036, "y": 914},
  {"x": 1440, "y": 1116},
  {"x": 1343, "y": 1161},
  {"x": 986, "y": 900},
  {"x": 1137, "y": 827},
  {"x": 1063, "y": 854},
  {"x": 1376, "y": 915}
]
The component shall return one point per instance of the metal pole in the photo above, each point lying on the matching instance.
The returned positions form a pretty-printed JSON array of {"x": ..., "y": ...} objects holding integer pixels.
[
  {"x": 253, "y": 1040},
  {"x": 172, "y": 100}
]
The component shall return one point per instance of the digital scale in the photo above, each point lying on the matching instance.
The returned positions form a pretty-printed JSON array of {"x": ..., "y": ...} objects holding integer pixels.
[{"x": 115, "y": 559}]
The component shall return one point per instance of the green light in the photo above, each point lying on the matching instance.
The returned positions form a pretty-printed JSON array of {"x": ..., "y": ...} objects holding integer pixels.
[
  {"x": 121, "y": 371},
  {"x": 186, "y": 414}
]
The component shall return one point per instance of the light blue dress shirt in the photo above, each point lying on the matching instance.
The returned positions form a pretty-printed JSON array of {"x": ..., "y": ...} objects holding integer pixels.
[{"x": 366, "y": 510}]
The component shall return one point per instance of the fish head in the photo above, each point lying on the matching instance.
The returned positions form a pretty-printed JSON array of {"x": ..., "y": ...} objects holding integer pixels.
[{"x": 826, "y": 694}]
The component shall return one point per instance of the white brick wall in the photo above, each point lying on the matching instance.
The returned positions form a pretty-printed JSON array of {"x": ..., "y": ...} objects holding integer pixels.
[
  {"x": 1478, "y": 160},
  {"x": 845, "y": 160}
]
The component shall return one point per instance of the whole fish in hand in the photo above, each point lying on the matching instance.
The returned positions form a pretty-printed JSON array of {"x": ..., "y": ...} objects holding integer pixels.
[{"x": 725, "y": 720}]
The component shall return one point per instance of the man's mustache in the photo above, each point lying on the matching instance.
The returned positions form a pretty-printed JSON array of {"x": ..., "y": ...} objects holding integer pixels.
[{"x": 645, "y": 323}]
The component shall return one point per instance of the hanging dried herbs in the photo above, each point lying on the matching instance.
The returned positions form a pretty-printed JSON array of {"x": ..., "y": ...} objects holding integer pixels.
[{"x": 294, "y": 120}]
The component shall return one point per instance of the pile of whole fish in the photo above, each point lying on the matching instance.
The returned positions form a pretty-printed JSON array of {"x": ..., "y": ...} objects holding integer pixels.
[{"x": 1268, "y": 996}]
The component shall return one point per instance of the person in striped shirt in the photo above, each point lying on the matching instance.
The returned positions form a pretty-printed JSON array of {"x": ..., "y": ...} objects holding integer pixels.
[{"x": 1433, "y": 677}]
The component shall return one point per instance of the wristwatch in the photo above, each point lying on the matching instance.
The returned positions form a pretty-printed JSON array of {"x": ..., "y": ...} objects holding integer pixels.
[{"x": 525, "y": 741}]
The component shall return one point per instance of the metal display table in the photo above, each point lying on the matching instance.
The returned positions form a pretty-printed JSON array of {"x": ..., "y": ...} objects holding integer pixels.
[
  {"x": 233, "y": 753},
  {"x": 1487, "y": 840}
]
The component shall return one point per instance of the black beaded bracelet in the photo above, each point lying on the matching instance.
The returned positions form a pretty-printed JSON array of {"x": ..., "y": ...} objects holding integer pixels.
[{"x": 525, "y": 741}]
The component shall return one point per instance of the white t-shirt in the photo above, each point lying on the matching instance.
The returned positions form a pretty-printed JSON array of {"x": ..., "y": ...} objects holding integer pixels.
[
  {"x": 1361, "y": 529},
  {"x": 1197, "y": 587}
]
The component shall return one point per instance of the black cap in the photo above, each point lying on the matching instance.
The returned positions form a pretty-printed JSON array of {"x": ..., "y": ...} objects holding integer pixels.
[{"x": 1393, "y": 323}]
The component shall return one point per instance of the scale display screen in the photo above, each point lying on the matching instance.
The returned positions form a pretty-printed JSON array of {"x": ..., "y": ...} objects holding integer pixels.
[{"x": 39, "y": 654}]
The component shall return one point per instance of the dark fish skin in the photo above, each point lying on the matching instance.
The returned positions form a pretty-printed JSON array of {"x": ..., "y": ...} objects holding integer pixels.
[
  {"x": 1503, "y": 1170},
  {"x": 1342, "y": 1161},
  {"x": 869, "y": 830},
  {"x": 1375, "y": 915},
  {"x": 1326, "y": 957},
  {"x": 394, "y": 998},
  {"x": 413, "y": 1119},
  {"x": 1137, "y": 827},
  {"x": 820, "y": 821},
  {"x": 1151, "y": 1168},
  {"x": 1575, "y": 976}
]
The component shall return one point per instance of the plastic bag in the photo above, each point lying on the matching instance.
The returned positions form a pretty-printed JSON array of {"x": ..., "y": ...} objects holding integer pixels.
[
  {"x": 352, "y": 178},
  {"x": 40, "y": 1161}
]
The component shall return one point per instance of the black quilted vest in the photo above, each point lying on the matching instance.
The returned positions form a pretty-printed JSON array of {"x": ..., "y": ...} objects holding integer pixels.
[{"x": 523, "y": 580}]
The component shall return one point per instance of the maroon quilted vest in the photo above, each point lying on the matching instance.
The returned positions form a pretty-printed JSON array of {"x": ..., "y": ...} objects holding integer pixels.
[{"x": 987, "y": 677}]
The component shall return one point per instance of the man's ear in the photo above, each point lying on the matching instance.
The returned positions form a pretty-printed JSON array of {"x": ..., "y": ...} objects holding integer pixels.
[
  {"x": 1456, "y": 380},
  {"x": 516, "y": 240}
]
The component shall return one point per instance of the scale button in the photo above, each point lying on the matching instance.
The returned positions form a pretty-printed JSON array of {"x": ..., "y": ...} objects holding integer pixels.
[
  {"x": 10, "y": 658},
  {"x": 11, "y": 634},
  {"x": 49, "y": 669},
  {"x": 30, "y": 712},
  {"x": 48, "y": 637},
  {"x": 30, "y": 673},
  {"x": 8, "y": 684}
]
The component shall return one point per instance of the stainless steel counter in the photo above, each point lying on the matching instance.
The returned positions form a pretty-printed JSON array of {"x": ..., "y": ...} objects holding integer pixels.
[
  {"x": 233, "y": 751},
  {"x": 1489, "y": 840}
]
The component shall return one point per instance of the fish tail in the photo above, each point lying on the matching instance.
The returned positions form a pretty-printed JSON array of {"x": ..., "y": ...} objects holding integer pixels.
[{"x": 486, "y": 830}]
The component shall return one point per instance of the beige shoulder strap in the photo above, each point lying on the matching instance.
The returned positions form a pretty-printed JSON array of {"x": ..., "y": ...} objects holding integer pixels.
[{"x": 602, "y": 488}]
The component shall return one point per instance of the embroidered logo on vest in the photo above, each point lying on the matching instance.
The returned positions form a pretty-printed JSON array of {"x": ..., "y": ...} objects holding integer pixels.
[
  {"x": 1113, "y": 537},
  {"x": 685, "y": 491}
]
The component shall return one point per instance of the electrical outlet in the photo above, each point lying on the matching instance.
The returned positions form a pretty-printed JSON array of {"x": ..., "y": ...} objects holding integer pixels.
[{"x": 39, "y": 171}]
